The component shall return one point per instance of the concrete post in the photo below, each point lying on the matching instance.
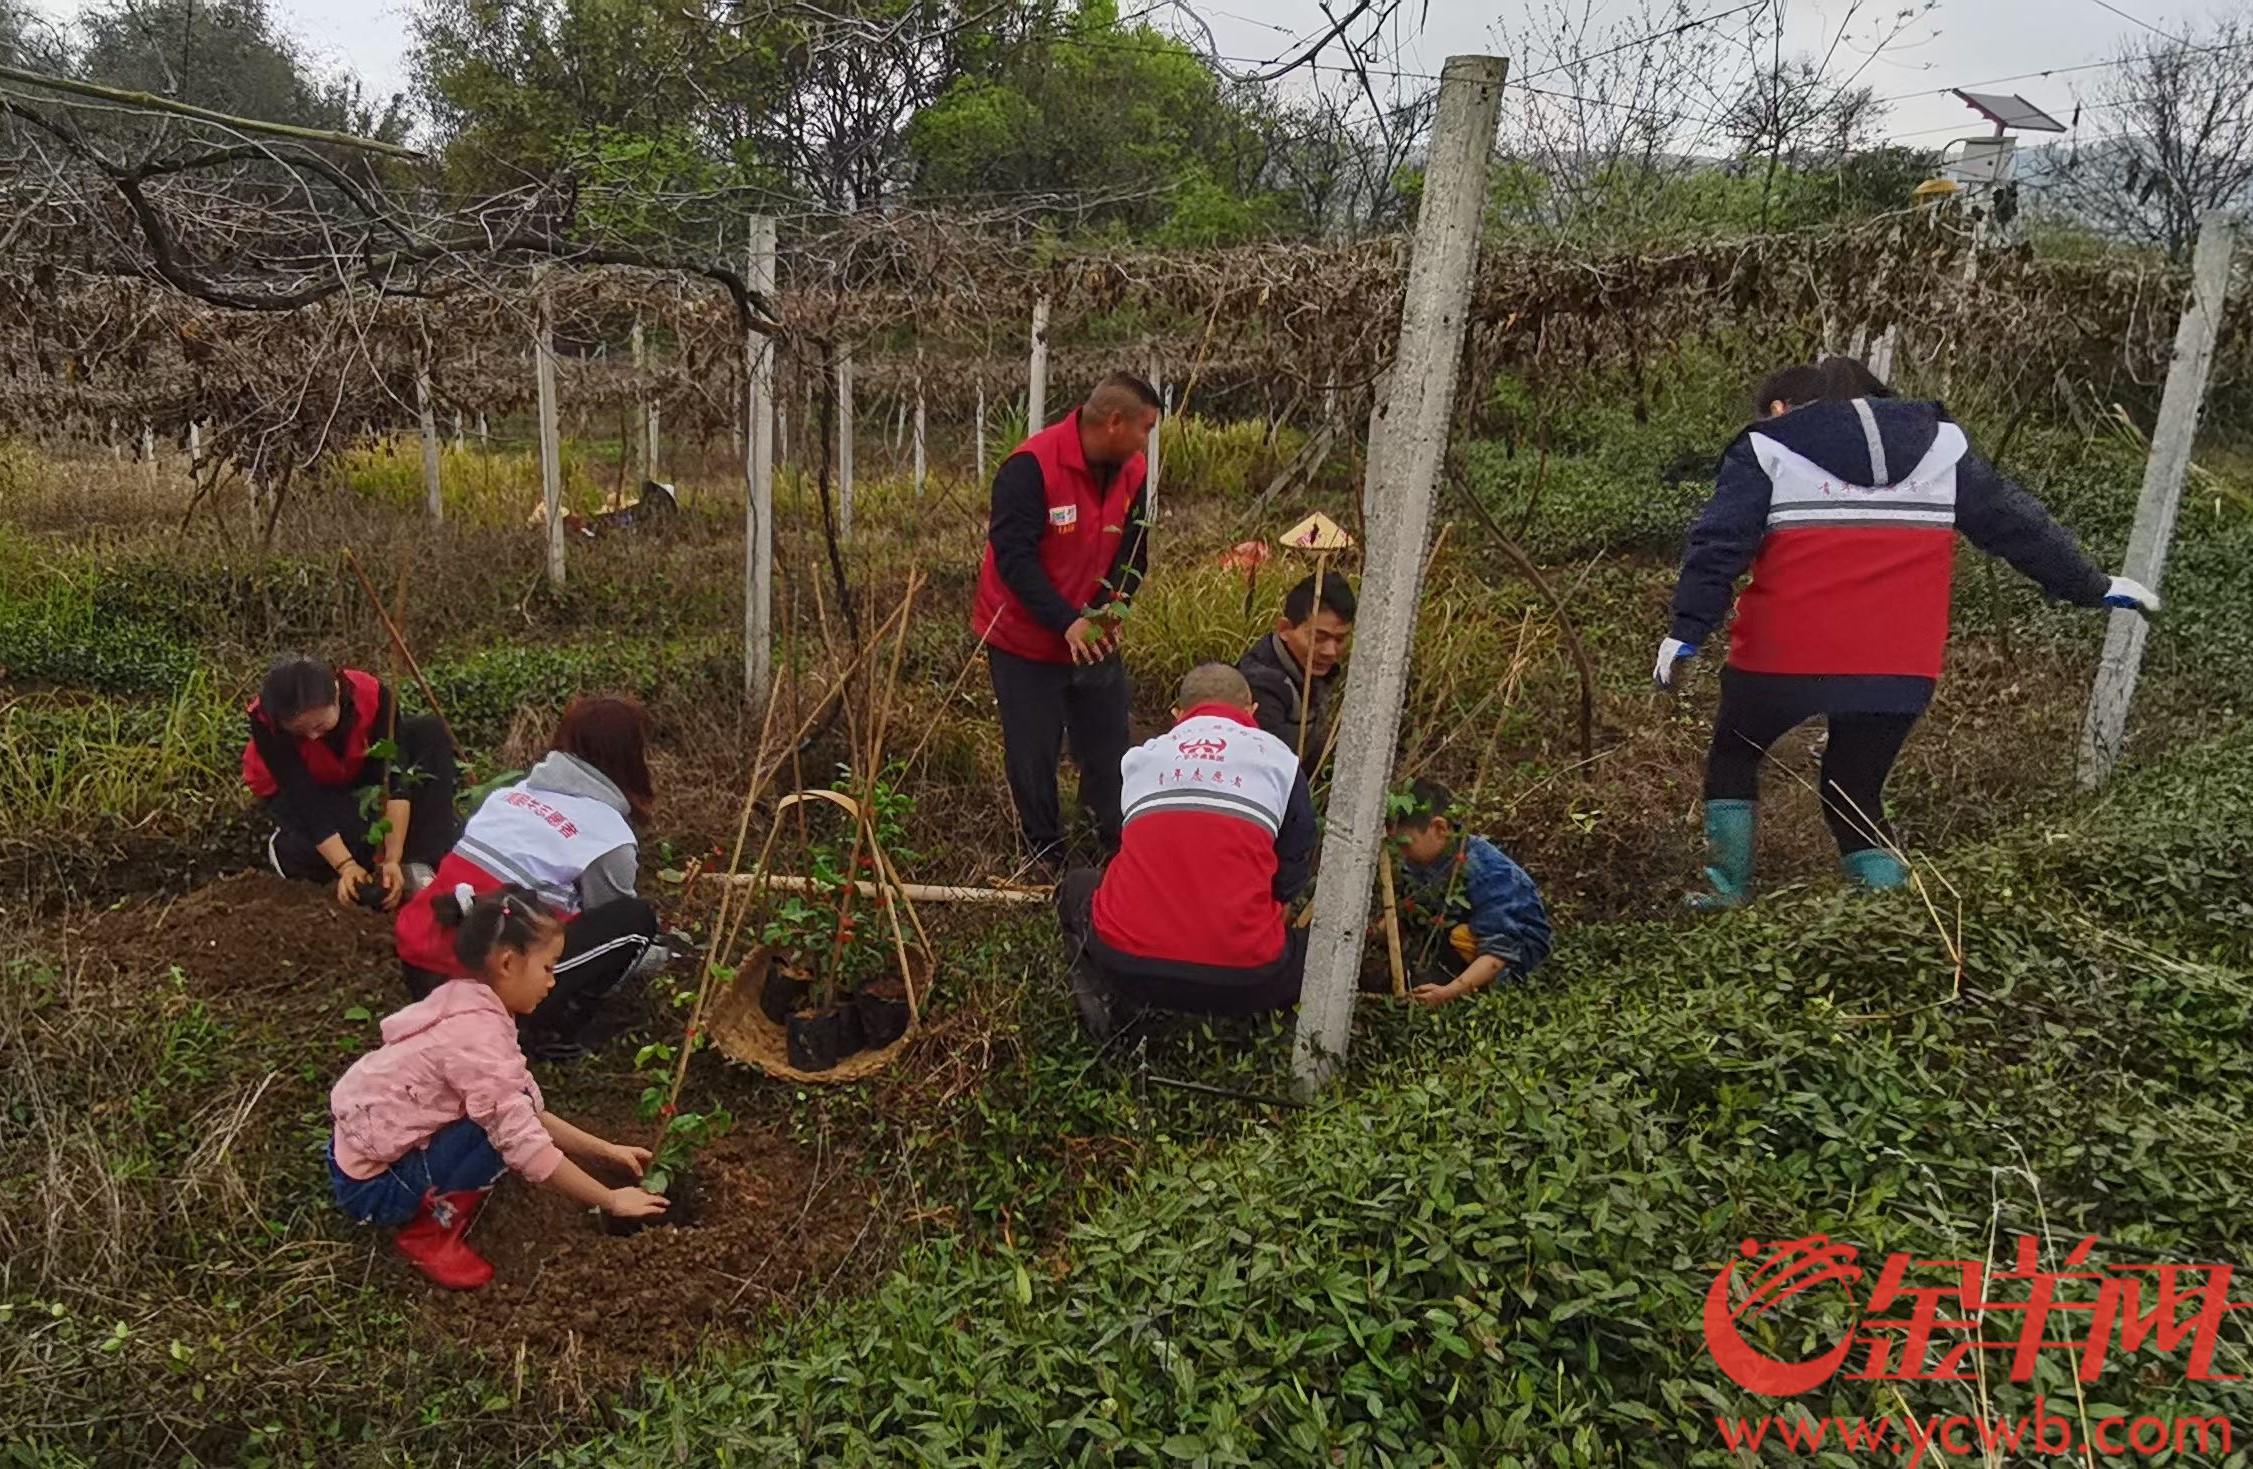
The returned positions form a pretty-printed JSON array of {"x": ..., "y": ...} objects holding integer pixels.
[
  {"x": 427, "y": 416},
  {"x": 758, "y": 502},
  {"x": 1404, "y": 473},
  {"x": 551, "y": 434},
  {"x": 1036, "y": 399},
  {"x": 2164, "y": 473},
  {"x": 845, "y": 445},
  {"x": 1150, "y": 454},
  {"x": 920, "y": 421}
]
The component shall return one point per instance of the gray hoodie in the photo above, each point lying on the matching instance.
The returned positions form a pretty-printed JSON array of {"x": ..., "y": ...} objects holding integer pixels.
[{"x": 613, "y": 874}]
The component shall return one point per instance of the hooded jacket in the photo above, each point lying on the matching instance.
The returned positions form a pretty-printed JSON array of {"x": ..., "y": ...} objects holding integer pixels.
[
  {"x": 562, "y": 831},
  {"x": 450, "y": 1055},
  {"x": 1846, "y": 513}
]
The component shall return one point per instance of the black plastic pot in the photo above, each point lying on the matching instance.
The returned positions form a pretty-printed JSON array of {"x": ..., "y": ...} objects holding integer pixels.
[
  {"x": 881, "y": 1006},
  {"x": 680, "y": 1193},
  {"x": 819, "y": 1039},
  {"x": 782, "y": 994}
]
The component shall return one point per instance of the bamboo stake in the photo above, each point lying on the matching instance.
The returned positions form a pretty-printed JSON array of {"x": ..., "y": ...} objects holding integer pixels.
[
  {"x": 399, "y": 643},
  {"x": 1388, "y": 893},
  {"x": 1306, "y": 687},
  {"x": 711, "y": 956},
  {"x": 915, "y": 891}
]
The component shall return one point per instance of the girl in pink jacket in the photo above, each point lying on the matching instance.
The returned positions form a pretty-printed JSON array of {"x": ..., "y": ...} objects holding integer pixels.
[{"x": 426, "y": 1124}]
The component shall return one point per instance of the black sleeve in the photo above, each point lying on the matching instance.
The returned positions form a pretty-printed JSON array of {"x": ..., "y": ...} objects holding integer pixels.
[
  {"x": 372, "y": 769},
  {"x": 1294, "y": 844},
  {"x": 1015, "y": 528},
  {"x": 1272, "y": 698},
  {"x": 294, "y": 804},
  {"x": 2002, "y": 519},
  {"x": 1723, "y": 542},
  {"x": 1133, "y": 561}
]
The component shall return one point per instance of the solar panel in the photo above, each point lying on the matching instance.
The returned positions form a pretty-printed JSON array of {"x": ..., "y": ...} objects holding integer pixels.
[{"x": 2011, "y": 111}]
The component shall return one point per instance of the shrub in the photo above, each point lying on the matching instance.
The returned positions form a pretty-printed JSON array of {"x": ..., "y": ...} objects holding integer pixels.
[
  {"x": 58, "y": 634},
  {"x": 483, "y": 691},
  {"x": 1199, "y": 457}
]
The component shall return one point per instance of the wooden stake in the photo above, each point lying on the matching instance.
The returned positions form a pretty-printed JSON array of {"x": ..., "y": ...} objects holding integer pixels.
[
  {"x": 1386, "y": 894},
  {"x": 399, "y": 643},
  {"x": 1306, "y": 687}
]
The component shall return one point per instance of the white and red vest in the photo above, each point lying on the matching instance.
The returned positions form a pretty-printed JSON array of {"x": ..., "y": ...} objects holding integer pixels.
[
  {"x": 1086, "y": 527},
  {"x": 1851, "y": 579},
  {"x": 537, "y": 839},
  {"x": 1194, "y": 881}
]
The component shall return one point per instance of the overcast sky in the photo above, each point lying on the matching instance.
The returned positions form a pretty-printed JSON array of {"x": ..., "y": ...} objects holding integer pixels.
[{"x": 1960, "y": 42}]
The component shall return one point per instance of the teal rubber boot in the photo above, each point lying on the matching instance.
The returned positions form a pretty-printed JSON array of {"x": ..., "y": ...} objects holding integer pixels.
[
  {"x": 1873, "y": 867},
  {"x": 1728, "y": 844}
]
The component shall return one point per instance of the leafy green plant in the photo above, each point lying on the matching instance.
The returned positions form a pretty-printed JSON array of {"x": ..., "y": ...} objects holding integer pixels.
[{"x": 682, "y": 1134}]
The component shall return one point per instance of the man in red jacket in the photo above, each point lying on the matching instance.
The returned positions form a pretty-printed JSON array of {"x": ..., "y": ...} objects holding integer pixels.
[{"x": 1066, "y": 546}]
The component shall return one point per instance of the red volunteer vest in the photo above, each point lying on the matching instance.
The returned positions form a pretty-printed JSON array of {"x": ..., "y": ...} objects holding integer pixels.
[
  {"x": 321, "y": 761},
  {"x": 1086, "y": 528}
]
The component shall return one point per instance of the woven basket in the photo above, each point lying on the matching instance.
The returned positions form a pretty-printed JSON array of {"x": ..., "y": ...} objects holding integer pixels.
[{"x": 742, "y": 1031}]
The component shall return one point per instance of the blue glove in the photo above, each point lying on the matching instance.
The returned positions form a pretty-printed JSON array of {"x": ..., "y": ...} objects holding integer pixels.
[{"x": 1670, "y": 651}]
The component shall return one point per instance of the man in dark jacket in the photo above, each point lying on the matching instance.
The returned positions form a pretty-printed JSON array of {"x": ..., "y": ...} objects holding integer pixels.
[
  {"x": 1308, "y": 637},
  {"x": 1844, "y": 503},
  {"x": 1066, "y": 548},
  {"x": 1190, "y": 916}
]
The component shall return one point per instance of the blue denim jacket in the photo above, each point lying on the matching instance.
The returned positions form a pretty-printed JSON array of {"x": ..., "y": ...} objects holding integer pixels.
[{"x": 1493, "y": 895}]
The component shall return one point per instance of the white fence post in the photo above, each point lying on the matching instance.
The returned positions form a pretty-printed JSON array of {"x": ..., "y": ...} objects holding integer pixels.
[
  {"x": 758, "y": 503},
  {"x": 1036, "y": 397},
  {"x": 427, "y": 417},
  {"x": 845, "y": 446},
  {"x": 2164, "y": 472},
  {"x": 551, "y": 434}
]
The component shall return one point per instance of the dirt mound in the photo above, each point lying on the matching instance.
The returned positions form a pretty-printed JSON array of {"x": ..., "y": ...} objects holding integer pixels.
[
  {"x": 772, "y": 1221},
  {"x": 247, "y": 935}
]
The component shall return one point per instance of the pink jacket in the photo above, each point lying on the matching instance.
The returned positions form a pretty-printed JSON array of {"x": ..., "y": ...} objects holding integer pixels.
[{"x": 450, "y": 1055}]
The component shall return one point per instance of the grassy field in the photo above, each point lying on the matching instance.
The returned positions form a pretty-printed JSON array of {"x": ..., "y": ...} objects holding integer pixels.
[{"x": 1011, "y": 1248}]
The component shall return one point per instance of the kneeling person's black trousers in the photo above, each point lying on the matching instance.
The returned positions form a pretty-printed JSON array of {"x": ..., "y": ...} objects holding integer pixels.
[
  {"x": 1162, "y": 984},
  {"x": 423, "y": 776}
]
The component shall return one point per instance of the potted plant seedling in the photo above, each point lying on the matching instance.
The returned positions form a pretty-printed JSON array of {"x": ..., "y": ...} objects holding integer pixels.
[
  {"x": 680, "y": 1135},
  {"x": 881, "y": 1002}
]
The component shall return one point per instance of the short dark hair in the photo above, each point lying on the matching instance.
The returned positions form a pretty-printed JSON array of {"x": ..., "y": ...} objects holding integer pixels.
[
  {"x": 1111, "y": 395},
  {"x": 1832, "y": 380},
  {"x": 294, "y": 685},
  {"x": 1428, "y": 800},
  {"x": 1337, "y": 595}
]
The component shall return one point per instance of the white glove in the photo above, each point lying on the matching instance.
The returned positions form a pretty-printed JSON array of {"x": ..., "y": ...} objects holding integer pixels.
[
  {"x": 1670, "y": 650},
  {"x": 2127, "y": 592}
]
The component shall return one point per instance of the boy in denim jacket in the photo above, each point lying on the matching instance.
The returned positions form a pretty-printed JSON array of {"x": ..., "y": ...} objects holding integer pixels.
[{"x": 1463, "y": 889}]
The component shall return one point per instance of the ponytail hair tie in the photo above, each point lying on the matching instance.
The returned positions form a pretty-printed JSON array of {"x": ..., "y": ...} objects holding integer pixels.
[{"x": 465, "y": 895}]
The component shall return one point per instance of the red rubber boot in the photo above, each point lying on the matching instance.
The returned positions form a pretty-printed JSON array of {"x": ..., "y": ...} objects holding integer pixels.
[{"x": 433, "y": 1239}]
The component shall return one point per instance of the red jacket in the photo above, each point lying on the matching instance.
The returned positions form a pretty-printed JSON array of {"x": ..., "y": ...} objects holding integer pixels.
[
  {"x": 1219, "y": 835},
  {"x": 1847, "y": 515},
  {"x": 1081, "y": 543},
  {"x": 326, "y": 762}
]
